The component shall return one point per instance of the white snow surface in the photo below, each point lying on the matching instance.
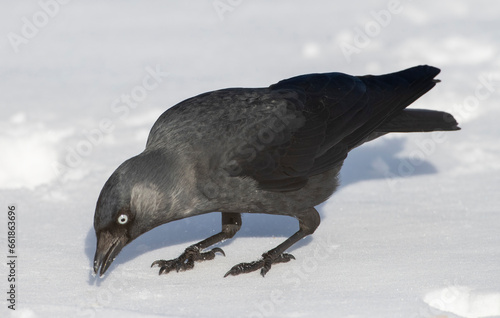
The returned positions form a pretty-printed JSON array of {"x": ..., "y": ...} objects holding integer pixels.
[{"x": 412, "y": 232}]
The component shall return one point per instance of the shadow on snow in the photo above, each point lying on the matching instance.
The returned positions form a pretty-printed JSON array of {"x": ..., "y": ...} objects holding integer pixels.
[{"x": 364, "y": 163}]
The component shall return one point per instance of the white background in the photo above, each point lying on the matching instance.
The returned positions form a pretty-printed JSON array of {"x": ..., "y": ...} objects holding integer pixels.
[{"x": 412, "y": 232}]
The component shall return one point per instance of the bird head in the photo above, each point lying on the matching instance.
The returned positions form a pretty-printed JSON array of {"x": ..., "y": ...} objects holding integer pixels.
[{"x": 143, "y": 193}]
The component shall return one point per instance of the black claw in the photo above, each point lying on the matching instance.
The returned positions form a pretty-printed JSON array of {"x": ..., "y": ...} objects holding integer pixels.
[
  {"x": 164, "y": 270},
  {"x": 157, "y": 262},
  {"x": 218, "y": 249},
  {"x": 268, "y": 261}
]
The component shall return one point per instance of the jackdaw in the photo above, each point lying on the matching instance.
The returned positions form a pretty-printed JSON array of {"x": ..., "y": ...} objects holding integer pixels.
[{"x": 275, "y": 150}]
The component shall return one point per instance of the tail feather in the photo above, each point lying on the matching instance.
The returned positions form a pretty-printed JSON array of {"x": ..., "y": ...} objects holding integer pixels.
[{"x": 419, "y": 120}]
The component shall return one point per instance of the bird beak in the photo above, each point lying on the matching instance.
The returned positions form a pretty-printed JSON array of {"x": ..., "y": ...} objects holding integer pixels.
[{"x": 108, "y": 247}]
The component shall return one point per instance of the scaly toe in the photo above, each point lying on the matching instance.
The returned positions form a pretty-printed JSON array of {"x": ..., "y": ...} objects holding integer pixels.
[
  {"x": 263, "y": 264},
  {"x": 244, "y": 268}
]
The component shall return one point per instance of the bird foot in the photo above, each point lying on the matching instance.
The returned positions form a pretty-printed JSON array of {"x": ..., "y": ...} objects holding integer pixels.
[
  {"x": 264, "y": 264},
  {"x": 186, "y": 260}
]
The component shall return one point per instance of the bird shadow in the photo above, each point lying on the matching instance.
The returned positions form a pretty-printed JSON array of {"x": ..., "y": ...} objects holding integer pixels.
[
  {"x": 379, "y": 160},
  {"x": 364, "y": 163}
]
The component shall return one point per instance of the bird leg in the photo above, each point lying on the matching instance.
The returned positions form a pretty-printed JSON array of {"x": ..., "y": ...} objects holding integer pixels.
[
  {"x": 231, "y": 223},
  {"x": 308, "y": 222}
]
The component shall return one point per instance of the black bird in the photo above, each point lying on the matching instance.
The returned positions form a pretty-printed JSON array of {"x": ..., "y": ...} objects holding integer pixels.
[{"x": 275, "y": 150}]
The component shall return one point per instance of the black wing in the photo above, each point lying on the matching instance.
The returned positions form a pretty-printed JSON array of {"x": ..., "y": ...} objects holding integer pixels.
[{"x": 332, "y": 113}]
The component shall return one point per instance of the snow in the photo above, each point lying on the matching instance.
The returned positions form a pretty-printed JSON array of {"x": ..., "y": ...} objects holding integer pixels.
[
  {"x": 461, "y": 300},
  {"x": 412, "y": 232}
]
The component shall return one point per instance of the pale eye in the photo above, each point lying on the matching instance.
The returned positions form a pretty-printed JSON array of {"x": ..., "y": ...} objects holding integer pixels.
[{"x": 122, "y": 219}]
